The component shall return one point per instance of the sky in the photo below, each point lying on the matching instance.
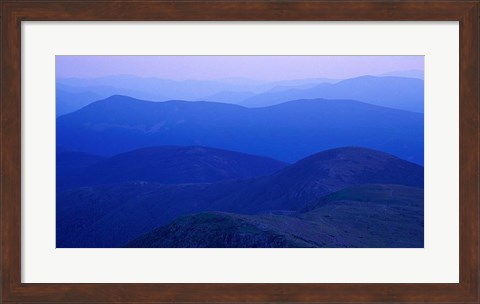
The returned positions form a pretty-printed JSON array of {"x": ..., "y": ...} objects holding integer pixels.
[{"x": 266, "y": 68}]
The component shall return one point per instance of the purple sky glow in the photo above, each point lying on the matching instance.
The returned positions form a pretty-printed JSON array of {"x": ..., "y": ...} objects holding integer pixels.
[{"x": 267, "y": 68}]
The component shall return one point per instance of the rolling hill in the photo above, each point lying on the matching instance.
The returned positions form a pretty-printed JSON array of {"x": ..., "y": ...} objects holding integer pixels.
[
  {"x": 296, "y": 185},
  {"x": 111, "y": 215}
]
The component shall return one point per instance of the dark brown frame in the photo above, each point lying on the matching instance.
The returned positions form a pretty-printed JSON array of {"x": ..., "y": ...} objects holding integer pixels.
[{"x": 15, "y": 11}]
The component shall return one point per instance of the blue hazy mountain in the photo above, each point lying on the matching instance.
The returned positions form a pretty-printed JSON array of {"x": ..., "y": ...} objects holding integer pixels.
[
  {"x": 166, "y": 165},
  {"x": 237, "y": 97},
  {"x": 182, "y": 89},
  {"x": 112, "y": 215},
  {"x": 287, "y": 132},
  {"x": 72, "y": 98},
  {"x": 163, "y": 89},
  {"x": 371, "y": 216},
  {"x": 403, "y": 93},
  {"x": 67, "y": 102},
  {"x": 228, "y": 97},
  {"x": 408, "y": 74},
  {"x": 393, "y": 92},
  {"x": 75, "y": 93}
]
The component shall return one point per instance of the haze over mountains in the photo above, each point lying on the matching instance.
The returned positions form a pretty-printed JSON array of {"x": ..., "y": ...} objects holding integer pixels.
[
  {"x": 231, "y": 90},
  {"x": 419, "y": 74},
  {"x": 236, "y": 162},
  {"x": 393, "y": 92},
  {"x": 74, "y": 93}
]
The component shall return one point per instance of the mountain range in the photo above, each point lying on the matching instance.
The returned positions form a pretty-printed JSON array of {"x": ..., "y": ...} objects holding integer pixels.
[
  {"x": 156, "y": 163},
  {"x": 288, "y": 132},
  {"x": 399, "y": 89},
  {"x": 393, "y": 92},
  {"x": 74, "y": 93}
]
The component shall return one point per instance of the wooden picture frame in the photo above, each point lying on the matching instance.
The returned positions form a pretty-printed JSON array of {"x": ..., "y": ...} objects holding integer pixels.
[{"x": 14, "y": 12}]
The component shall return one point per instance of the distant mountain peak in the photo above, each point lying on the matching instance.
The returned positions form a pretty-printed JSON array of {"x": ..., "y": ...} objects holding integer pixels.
[
  {"x": 117, "y": 99},
  {"x": 119, "y": 96}
]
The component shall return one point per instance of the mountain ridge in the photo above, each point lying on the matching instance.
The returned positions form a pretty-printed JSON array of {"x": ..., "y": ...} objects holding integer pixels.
[
  {"x": 175, "y": 165},
  {"x": 389, "y": 91},
  {"x": 287, "y": 132}
]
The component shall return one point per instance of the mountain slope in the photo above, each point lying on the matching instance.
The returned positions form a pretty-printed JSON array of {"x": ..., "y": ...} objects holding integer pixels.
[
  {"x": 109, "y": 216},
  {"x": 325, "y": 172},
  {"x": 373, "y": 216},
  {"x": 389, "y": 91},
  {"x": 219, "y": 230},
  {"x": 69, "y": 165},
  {"x": 287, "y": 132},
  {"x": 72, "y": 98},
  {"x": 67, "y": 102}
]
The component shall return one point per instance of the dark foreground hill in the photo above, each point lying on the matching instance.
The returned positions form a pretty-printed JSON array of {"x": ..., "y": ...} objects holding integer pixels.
[
  {"x": 111, "y": 215},
  {"x": 373, "y": 216},
  {"x": 288, "y": 132},
  {"x": 169, "y": 165}
]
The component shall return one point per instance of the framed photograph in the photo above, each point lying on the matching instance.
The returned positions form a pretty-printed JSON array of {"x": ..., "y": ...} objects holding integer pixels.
[{"x": 224, "y": 151}]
